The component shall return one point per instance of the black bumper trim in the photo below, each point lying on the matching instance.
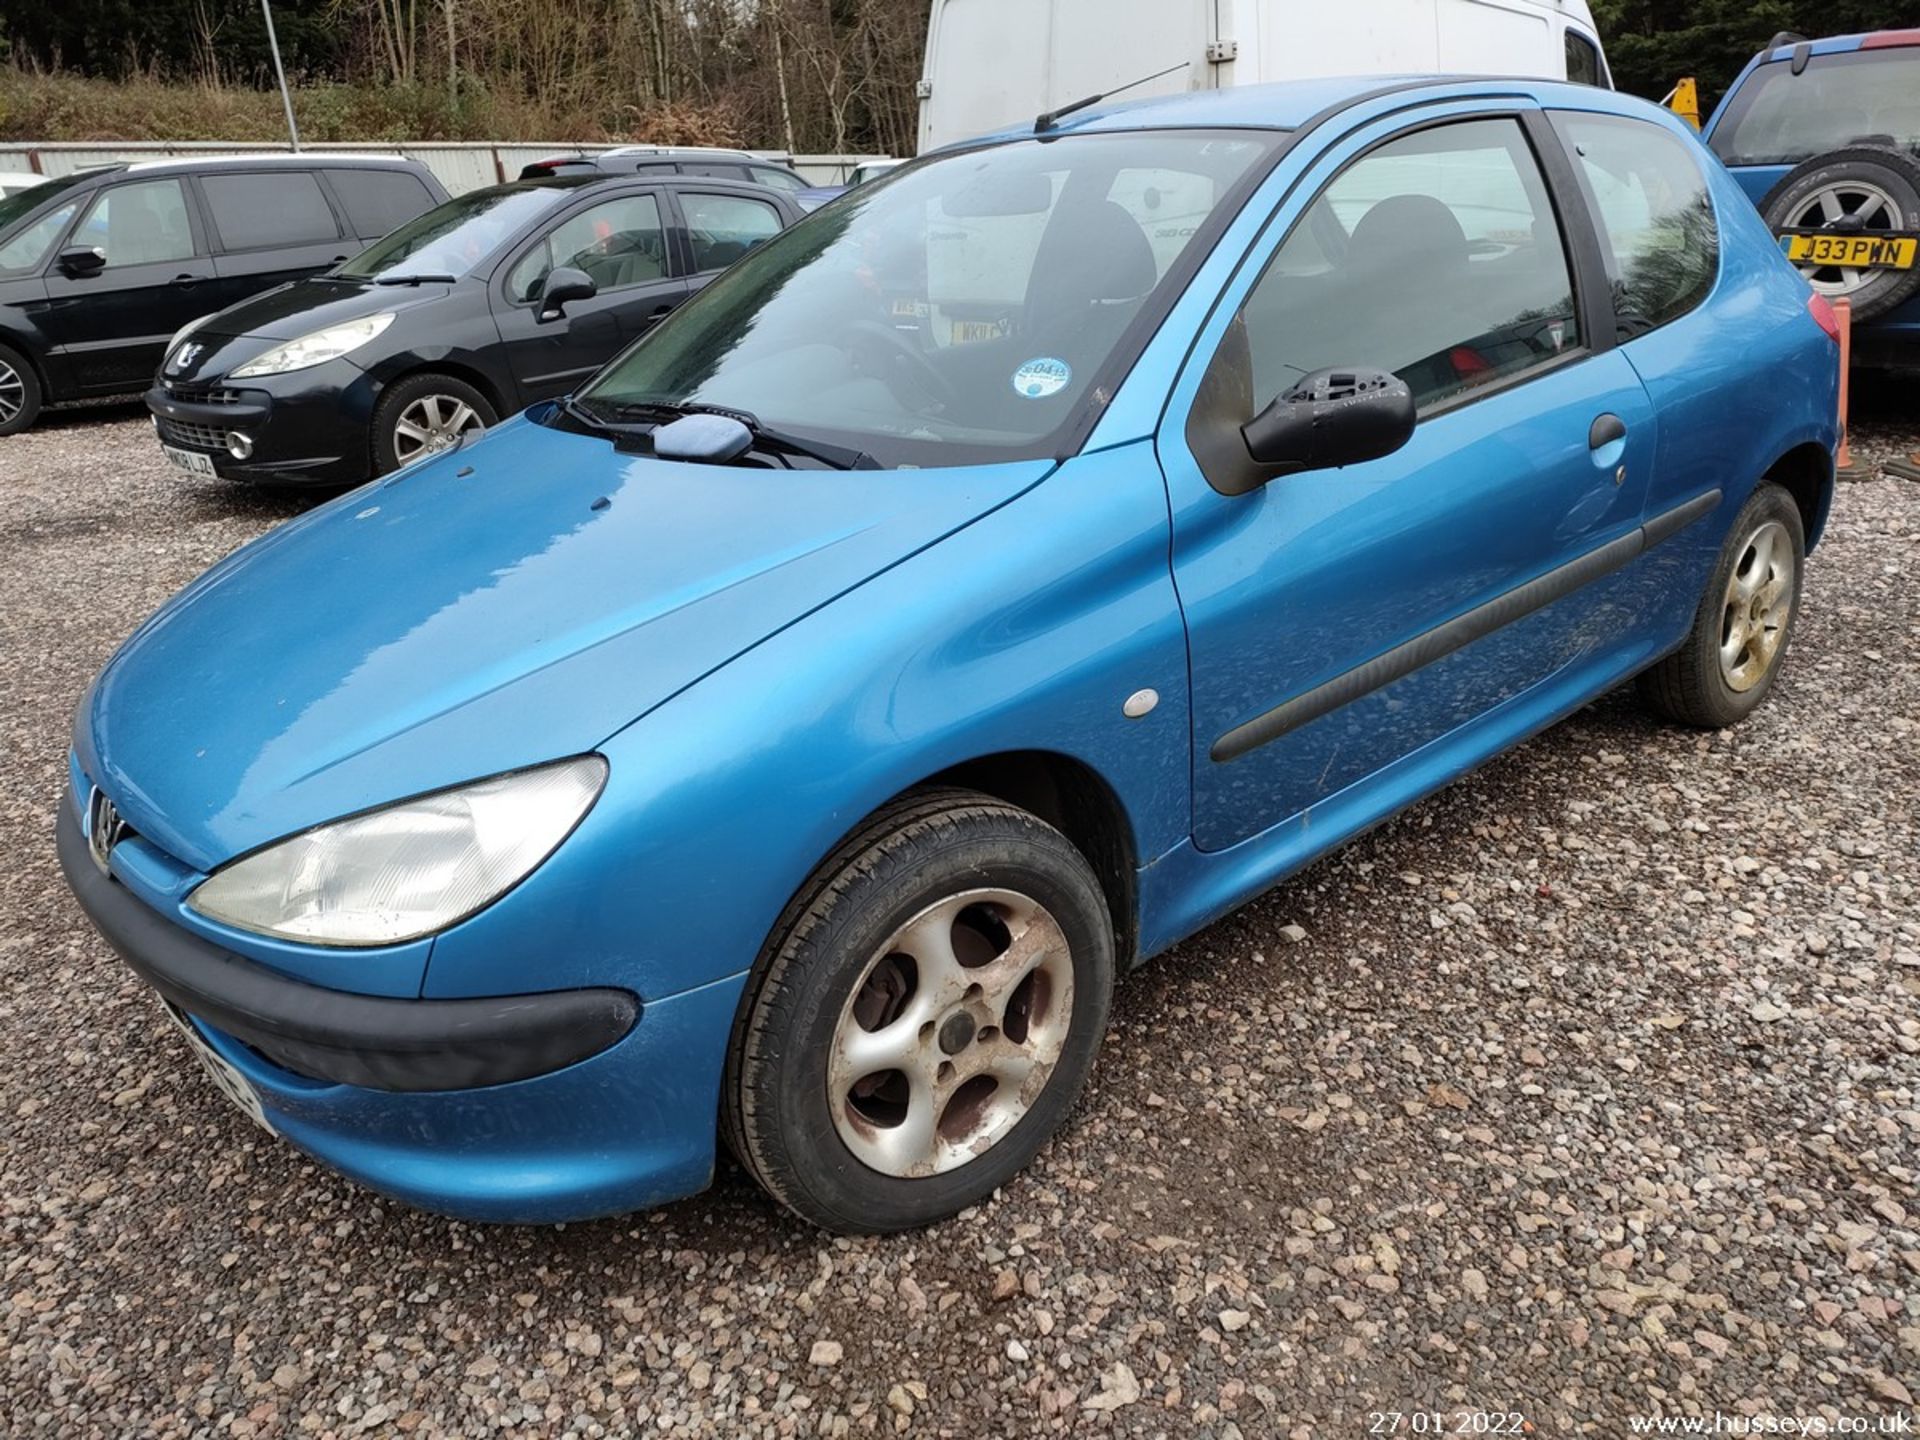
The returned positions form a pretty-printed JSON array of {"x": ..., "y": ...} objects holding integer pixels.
[{"x": 366, "y": 1040}]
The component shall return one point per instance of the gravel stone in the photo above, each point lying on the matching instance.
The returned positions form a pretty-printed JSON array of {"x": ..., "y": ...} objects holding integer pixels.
[{"x": 1333, "y": 1139}]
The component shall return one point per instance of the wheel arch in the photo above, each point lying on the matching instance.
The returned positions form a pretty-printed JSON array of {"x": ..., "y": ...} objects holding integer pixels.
[
  {"x": 1806, "y": 473},
  {"x": 454, "y": 369},
  {"x": 1076, "y": 800}
]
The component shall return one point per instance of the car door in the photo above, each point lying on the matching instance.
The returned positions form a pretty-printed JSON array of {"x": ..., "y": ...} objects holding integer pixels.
[
  {"x": 269, "y": 226},
  {"x": 720, "y": 228},
  {"x": 110, "y": 325},
  {"x": 1341, "y": 620},
  {"x": 621, "y": 242}
]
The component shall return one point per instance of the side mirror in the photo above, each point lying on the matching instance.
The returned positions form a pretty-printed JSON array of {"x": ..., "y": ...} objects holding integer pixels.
[
  {"x": 564, "y": 284},
  {"x": 1332, "y": 418},
  {"x": 82, "y": 261}
]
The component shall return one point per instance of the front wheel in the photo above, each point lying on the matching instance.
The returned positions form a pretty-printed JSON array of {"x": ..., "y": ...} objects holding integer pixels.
[
  {"x": 423, "y": 415},
  {"x": 1738, "y": 642},
  {"x": 19, "y": 392},
  {"x": 924, "y": 1016}
]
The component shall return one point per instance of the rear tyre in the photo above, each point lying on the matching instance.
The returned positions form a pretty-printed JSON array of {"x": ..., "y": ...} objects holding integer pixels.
[
  {"x": 923, "y": 1017},
  {"x": 1861, "y": 190},
  {"x": 20, "y": 394},
  {"x": 1733, "y": 653},
  {"x": 423, "y": 415}
]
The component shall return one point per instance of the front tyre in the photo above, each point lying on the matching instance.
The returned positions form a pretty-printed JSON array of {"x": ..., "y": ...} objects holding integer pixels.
[
  {"x": 1738, "y": 642},
  {"x": 422, "y": 415},
  {"x": 924, "y": 1016},
  {"x": 19, "y": 392}
]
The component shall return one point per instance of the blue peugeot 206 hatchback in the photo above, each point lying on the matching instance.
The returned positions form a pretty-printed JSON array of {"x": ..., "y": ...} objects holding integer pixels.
[{"x": 791, "y": 736}]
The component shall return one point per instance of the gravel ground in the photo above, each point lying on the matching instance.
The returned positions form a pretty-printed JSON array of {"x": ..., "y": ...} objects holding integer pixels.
[{"x": 1589, "y": 1088}]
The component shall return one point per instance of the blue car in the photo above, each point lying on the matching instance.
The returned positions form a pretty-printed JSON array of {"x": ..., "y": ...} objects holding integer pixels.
[
  {"x": 1824, "y": 138},
  {"x": 792, "y": 735}
]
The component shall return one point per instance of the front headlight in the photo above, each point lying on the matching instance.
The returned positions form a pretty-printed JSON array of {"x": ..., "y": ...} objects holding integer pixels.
[
  {"x": 317, "y": 348},
  {"x": 409, "y": 869}
]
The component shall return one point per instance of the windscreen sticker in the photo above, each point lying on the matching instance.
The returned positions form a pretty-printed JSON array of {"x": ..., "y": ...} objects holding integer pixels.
[{"x": 1041, "y": 377}]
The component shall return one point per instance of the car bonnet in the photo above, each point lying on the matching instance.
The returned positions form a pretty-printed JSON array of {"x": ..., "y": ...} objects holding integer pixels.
[{"x": 516, "y": 600}]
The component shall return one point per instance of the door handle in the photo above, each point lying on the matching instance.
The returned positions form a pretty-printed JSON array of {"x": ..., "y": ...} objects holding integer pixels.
[
  {"x": 1606, "y": 430},
  {"x": 186, "y": 279},
  {"x": 657, "y": 314}
]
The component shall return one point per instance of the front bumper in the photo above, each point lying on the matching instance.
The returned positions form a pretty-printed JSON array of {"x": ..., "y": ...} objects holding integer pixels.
[
  {"x": 308, "y": 427},
  {"x": 471, "y": 1108}
]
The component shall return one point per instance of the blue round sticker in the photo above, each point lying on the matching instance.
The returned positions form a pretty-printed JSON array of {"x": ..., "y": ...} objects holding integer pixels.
[{"x": 1041, "y": 377}]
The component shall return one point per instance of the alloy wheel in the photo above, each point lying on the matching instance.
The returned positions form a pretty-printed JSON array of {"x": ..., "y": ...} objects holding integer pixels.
[
  {"x": 431, "y": 424},
  {"x": 952, "y": 1033},
  {"x": 1850, "y": 207},
  {"x": 13, "y": 392},
  {"x": 1758, "y": 604}
]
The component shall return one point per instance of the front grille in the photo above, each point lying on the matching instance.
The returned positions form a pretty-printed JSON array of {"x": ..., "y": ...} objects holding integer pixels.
[
  {"x": 204, "y": 395},
  {"x": 191, "y": 436}
]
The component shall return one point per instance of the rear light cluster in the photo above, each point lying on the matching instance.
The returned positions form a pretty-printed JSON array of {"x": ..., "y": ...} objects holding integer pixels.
[{"x": 1824, "y": 316}]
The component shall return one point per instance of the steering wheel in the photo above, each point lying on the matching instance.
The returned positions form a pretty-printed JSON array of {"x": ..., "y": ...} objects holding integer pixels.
[{"x": 887, "y": 355}]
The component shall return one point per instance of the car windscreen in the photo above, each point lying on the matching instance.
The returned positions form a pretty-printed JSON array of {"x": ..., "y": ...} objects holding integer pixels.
[
  {"x": 1859, "y": 97},
  {"x": 452, "y": 238},
  {"x": 968, "y": 310},
  {"x": 24, "y": 242}
]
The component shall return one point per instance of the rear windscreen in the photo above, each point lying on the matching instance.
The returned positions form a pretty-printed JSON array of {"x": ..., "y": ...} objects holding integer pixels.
[{"x": 1869, "y": 97}]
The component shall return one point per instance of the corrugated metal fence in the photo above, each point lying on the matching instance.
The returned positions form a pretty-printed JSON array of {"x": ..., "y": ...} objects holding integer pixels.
[{"x": 460, "y": 165}]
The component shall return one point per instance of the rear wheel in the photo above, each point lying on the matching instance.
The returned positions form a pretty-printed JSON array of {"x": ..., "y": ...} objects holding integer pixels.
[
  {"x": 924, "y": 1017},
  {"x": 423, "y": 415},
  {"x": 1733, "y": 654},
  {"x": 19, "y": 392}
]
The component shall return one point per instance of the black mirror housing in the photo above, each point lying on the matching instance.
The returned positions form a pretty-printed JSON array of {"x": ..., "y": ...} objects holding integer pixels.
[
  {"x": 564, "y": 284},
  {"x": 1334, "y": 417},
  {"x": 81, "y": 261}
]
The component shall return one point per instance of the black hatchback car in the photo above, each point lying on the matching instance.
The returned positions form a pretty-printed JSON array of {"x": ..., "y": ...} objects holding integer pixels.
[
  {"x": 98, "y": 268},
  {"x": 472, "y": 311}
]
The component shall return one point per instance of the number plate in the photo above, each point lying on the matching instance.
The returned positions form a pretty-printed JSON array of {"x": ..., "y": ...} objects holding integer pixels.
[
  {"x": 227, "y": 1080},
  {"x": 1852, "y": 252},
  {"x": 191, "y": 461}
]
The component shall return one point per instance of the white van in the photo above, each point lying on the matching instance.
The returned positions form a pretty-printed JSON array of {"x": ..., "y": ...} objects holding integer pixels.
[{"x": 993, "y": 63}]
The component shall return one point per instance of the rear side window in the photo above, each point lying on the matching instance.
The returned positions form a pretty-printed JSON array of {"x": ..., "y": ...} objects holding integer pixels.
[
  {"x": 265, "y": 210},
  {"x": 380, "y": 200},
  {"x": 1436, "y": 256},
  {"x": 1658, "y": 233},
  {"x": 1863, "y": 96},
  {"x": 1583, "y": 60},
  {"x": 140, "y": 224},
  {"x": 722, "y": 228},
  {"x": 774, "y": 178}
]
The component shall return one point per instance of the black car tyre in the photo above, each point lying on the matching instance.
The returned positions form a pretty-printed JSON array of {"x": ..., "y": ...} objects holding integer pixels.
[
  {"x": 422, "y": 415},
  {"x": 19, "y": 392},
  {"x": 1861, "y": 190},
  {"x": 923, "y": 1016},
  {"x": 1733, "y": 654}
]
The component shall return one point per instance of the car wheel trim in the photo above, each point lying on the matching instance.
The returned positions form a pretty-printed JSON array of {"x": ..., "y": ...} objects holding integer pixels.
[
  {"x": 951, "y": 1034},
  {"x": 1858, "y": 201},
  {"x": 13, "y": 392},
  {"x": 430, "y": 424},
  {"x": 1757, "y": 606}
]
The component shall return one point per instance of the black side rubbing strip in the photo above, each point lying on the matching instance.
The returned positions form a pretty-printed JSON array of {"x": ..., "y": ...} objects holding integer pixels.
[{"x": 1462, "y": 630}]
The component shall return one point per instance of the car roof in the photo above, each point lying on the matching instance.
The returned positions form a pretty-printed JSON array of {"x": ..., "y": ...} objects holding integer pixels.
[
  {"x": 272, "y": 159},
  {"x": 1841, "y": 44},
  {"x": 1290, "y": 104}
]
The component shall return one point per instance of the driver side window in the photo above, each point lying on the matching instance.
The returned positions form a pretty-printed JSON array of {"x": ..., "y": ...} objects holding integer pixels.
[
  {"x": 1436, "y": 256},
  {"x": 618, "y": 243}
]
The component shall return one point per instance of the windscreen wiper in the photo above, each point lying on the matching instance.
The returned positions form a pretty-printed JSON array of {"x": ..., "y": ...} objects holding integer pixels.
[
  {"x": 416, "y": 278},
  {"x": 765, "y": 437}
]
